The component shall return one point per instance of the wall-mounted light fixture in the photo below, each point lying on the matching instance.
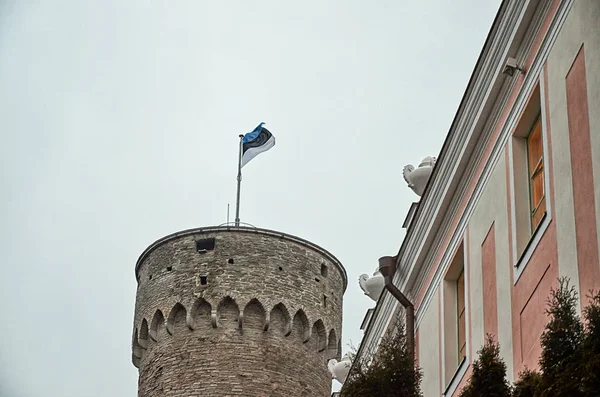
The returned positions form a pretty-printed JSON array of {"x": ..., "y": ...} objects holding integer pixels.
[{"x": 511, "y": 66}]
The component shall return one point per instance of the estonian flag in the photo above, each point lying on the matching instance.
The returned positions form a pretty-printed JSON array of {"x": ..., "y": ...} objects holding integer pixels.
[{"x": 255, "y": 142}]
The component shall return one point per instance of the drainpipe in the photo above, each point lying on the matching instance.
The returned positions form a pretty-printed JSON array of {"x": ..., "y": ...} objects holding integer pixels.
[{"x": 387, "y": 268}]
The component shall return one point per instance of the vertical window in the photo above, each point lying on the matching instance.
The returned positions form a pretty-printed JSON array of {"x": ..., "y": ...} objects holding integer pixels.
[
  {"x": 528, "y": 163},
  {"x": 323, "y": 270},
  {"x": 460, "y": 316},
  {"x": 535, "y": 160},
  {"x": 454, "y": 316}
]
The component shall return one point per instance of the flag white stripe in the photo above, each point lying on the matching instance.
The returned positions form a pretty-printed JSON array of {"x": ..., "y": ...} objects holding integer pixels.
[{"x": 253, "y": 152}]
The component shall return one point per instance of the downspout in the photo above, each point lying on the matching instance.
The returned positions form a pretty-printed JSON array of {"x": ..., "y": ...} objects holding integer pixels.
[{"x": 387, "y": 268}]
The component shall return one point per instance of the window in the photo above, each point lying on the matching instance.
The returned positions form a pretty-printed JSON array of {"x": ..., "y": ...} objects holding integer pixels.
[
  {"x": 460, "y": 315},
  {"x": 205, "y": 245},
  {"x": 323, "y": 270},
  {"x": 535, "y": 165},
  {"x": 454, "y": 317},
  {"x": 528, "y": 183}
]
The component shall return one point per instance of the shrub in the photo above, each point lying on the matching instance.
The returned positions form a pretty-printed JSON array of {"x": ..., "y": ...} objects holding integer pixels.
[
  {"x": 560, "y": 362},
  {"x": 590, "y": 382},
  {"x": 489, "y": 373},
  {"x": 528, "y": 384},
  {"x": 391, "y": 373}
]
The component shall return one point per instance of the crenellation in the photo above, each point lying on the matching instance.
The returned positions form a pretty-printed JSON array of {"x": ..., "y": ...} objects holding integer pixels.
[
  {"x": 256, "y": 317},
  {"x": 333, "y": 350}
]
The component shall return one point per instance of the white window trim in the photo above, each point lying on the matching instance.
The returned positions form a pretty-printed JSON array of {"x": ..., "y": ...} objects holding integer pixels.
[{"x": 520, "y": 261}]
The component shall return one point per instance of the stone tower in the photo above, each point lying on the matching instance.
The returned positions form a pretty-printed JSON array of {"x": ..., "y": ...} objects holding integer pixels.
[{"x": 236, "y": 311}]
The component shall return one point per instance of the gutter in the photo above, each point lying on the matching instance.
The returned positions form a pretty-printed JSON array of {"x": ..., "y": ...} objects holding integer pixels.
[{"x": 387, "y": 268}]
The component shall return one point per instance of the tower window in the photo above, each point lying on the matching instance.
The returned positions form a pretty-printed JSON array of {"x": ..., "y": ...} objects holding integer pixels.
[
  {"x": 230, "y": 261},
  {"x": 169, "y": 268},
  {"x": 324, "y": 300},
  {"x": 205, "y": 245},
  {"x": 203, "y": 280},
  {"x": 323, "y": 270}
]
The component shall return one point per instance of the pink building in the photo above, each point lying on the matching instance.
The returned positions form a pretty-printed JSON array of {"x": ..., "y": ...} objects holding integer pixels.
[{"x": 513, "y": 199}]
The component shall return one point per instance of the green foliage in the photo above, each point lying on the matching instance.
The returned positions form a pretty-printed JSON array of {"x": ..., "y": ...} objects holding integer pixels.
[
  {"x": 391, "y": 373},
  {"x": 570, "y": 360},
  {"x": 489, "y": 373},
  {"x": 590, "y": 382},
  {"x": 528, "y": 384},
  {"x": 569, "y": 364},
  {"x": 561, "y": 363}
]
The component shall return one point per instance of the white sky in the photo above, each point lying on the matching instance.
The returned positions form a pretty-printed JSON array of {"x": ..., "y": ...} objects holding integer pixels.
[{"x": 119, "y": 123}]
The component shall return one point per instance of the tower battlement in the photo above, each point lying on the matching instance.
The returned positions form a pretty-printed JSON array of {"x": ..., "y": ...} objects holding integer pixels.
[
  {"x": 205, "y": 319},
  {"x": 236, "y": 311}
]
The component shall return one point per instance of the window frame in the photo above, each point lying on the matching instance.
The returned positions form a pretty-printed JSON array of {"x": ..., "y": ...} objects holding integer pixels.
[
  {"x": 453, "y": 370},
  {"x": 520, "y": 259},
  {"x": 534, "y": 172},
  {"x": 461, "y": 316}
]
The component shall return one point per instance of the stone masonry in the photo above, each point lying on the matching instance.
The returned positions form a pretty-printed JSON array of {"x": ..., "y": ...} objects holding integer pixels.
[{"x": 224, "y": 311}]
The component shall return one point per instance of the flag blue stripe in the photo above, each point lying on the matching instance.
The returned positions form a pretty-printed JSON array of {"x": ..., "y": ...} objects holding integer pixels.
[{"x": 249, "y": 137}]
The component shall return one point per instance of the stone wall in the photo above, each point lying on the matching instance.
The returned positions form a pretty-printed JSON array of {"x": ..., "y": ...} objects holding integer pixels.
[{"x": 258, "y": 315}]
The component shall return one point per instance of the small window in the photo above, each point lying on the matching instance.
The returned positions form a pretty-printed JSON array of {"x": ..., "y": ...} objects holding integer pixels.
[
  {"x": 230, "y": 261},
  {"x": 324, "y": 300},
  {"x": 323, "y": 270},
  {"x": 280, "y": 268},
  {"x": 169, "y": 268},
  {"x": 205, "y": 245},
  {"x": 150, "y": 277},
  {"x": 203, "y": 280}
]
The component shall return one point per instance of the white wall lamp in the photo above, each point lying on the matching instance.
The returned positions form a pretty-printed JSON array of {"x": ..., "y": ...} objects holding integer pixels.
[{"x": 511, "y": 66}]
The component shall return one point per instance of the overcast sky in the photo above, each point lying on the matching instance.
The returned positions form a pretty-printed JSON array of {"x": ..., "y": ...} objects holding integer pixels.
[{"x": 119, "y": 123}]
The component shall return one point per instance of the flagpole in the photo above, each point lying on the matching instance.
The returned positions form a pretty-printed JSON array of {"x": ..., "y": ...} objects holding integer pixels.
[{"x": 239, "y": 184}]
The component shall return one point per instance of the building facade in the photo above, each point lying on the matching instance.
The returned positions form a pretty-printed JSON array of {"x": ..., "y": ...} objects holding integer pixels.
[
  {"x": 236, "y": 311},
  {"x": 512, "y": 202}
]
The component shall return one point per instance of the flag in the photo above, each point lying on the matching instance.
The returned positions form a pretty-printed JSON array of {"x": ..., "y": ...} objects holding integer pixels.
[{"x": 255, "y": 142}]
